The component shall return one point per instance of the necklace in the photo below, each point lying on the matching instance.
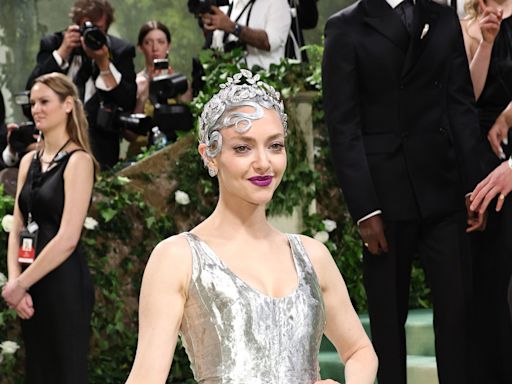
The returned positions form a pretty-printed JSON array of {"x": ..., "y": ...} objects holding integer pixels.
[{"x": 55, "y": 157}]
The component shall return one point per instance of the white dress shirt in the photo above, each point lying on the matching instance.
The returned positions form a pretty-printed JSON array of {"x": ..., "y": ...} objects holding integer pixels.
[
  {"x": 272, "y": 16},
  {"x": 90, "y": 86}
]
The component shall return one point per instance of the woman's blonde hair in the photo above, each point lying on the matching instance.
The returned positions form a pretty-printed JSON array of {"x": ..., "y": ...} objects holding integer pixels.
[
  {"x": 77, "y": 126},
  {"x": 472, "y": 9}
]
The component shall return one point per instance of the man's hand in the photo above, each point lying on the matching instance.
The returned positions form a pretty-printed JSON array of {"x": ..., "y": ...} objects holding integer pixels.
[
  {"x": 476, "y": 220},
  {"x": 70, "y": 41},
  {"x": 497, "y": 135},
  {"x": 100, "y": 56},
  {"x": 217, "y": 19},
  {"x": 498, "y": 182},
  {"x": 372, "y": 233}
]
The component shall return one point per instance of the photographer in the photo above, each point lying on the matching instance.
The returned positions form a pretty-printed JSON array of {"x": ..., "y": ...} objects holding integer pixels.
[
  {"x": 101, "y": 67},
  {"x": 260, "y": 26},
  {"x": 15, "y": 139}
]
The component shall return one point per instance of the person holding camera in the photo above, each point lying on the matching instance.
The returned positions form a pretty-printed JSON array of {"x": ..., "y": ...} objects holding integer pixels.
[
  {"x": 100, "y": 65},
  {"x": 154, "y": 41},
  {"x": 49, "y": 284},
  {"x": 261, "y": 27}
]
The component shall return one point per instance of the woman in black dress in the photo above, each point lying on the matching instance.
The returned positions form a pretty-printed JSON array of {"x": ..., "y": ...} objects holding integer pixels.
[
  {"x": 51, "y": 288},
  {"x": 488, "y": 38}
]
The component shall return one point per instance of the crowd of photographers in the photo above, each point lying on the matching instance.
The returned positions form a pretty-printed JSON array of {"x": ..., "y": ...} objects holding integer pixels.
[{"x": 148, "y": 107}]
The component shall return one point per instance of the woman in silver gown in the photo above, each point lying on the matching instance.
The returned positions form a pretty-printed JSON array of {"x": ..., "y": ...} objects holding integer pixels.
[{"x": 250, "y": 303}]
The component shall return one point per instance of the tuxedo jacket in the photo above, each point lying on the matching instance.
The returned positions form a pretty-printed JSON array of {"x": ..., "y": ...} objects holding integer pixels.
[
  {"x": 122, "y": 54},
  {"x": 400, "y": 110}
]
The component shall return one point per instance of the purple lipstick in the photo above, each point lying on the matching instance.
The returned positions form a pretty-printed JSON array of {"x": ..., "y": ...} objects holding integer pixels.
[{"x": 261, "y": 181}]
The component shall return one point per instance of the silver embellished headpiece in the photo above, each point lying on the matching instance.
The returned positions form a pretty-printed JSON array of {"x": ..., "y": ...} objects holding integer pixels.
[{"x": 243, "y": 89}]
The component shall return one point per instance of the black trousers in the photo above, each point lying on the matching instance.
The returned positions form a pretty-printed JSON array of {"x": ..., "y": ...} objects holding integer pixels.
[
  {"x": 442, "y": 246},
  {"x": 492, "y": 335}
]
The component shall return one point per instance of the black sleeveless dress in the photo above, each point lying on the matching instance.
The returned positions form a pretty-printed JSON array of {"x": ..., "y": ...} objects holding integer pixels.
[
  {"x": 57, "y": 336},
  {"x": 492, "y": 261}
]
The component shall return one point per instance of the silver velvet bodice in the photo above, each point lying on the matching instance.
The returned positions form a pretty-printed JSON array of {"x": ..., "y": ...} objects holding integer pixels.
[{"x": 235, "y": 334}]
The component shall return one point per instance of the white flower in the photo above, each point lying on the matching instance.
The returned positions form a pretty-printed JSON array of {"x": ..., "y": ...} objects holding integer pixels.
[
  {"x": 322, "y": 236},
  {"x": 7, "y": 222},
  {"x": 181, "y": 197},
  {"x": 123, "y": 180},
  {"x": 3, "y": 279},
  {"x": 330, "y": 225},
  {"x": 9, "y": 347},
  {"x": 90, "y": 223}
]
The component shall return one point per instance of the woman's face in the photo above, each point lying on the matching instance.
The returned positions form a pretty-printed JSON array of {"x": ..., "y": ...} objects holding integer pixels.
[
  {"x": 47, "y": 109},
  {"x": 155, "y": 46},
  {"x": 251, "y": 164}
]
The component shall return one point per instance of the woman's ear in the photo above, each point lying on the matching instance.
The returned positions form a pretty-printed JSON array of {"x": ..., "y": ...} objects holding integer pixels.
[
  {"x": 201, "y": 148},
  {"x": 68, "y": 104}
]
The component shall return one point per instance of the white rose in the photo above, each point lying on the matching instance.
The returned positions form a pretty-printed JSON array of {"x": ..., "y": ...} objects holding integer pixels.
[
  {"x": 123, "y": 180},
  {"x": 322, "y": 236},
  {"x": 9, "y": 347},
  {"x": 330, "y": 225},
  {"x": 3, "y": 279},
  {"x": 7, "y": 222},
  {"x": 90, "y": 223},
  {"x": 181, "y": 197}
]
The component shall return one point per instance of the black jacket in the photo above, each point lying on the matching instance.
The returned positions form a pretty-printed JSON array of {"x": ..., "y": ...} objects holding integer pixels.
[
  {"x": 105, "y": 145},
  {"x": 400, "y": 110}
]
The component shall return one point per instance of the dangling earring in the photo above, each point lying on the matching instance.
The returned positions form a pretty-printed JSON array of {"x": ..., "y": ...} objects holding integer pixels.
[{"x": 212, "y": 171}]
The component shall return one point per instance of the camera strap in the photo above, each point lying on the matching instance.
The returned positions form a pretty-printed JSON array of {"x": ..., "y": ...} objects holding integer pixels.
[{"x": 248, "y": 6}]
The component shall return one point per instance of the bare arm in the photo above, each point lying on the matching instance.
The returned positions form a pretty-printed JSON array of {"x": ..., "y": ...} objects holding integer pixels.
[
  {"x": 219, "y": 20},
  {"x": 479, "y": 36},
  {"x": 13, "y": 267},
  {"x": 162, "y": 300},
  {"x": 343, "y": 327}
]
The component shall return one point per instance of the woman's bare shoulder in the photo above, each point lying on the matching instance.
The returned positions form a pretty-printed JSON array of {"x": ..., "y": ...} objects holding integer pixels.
[
  {"x": 317, "y": 252},
  {"x": 172, "y": 255}
]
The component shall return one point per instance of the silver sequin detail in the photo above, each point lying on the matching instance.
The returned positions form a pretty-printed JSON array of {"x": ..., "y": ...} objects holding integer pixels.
[{"x": 235, "y": 334}]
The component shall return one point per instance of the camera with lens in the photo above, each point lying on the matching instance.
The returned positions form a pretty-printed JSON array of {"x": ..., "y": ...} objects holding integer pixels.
[
  {"x": 204, "y": 6},
  {"x": 169, "y": 115},
  {"x": 94, "y": 38},
  {"x": 21, "y": 137}
]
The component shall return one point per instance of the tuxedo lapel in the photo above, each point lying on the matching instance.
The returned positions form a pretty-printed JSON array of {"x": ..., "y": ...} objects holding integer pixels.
[
  {"x": 383, "y": 19},
  {"x": 423, "y": 25}
]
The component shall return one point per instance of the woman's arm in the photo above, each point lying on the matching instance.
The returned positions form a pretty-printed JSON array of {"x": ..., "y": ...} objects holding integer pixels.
[
  {"x": 13, "y": 267},
  {"x": 78, "y": 182},
  {"x": 162, "y": 300},
  {"x": 343, "y": 327},
  {"x": 479, "y": 36}
]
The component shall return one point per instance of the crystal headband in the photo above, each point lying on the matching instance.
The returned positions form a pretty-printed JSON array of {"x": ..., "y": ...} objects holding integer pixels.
[{"x": 232, "y": 95}]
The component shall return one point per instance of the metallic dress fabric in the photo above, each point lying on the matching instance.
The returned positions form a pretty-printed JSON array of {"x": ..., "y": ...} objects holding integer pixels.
[{"x": 235, "y": 334}]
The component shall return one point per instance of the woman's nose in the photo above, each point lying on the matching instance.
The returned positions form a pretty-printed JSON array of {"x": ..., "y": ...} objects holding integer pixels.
[{"x": 262, "y": 161}]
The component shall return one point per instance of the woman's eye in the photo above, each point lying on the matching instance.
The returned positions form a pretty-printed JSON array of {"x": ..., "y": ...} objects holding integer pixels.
[
  {"x": 241, "y": 148},
  {"x": 277, "y": 147}
]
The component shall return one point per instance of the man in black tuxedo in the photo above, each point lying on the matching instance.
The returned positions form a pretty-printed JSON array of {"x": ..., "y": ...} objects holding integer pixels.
[
  {"x": 105, "y": 77},
  {"x": 399, "y": 108}
]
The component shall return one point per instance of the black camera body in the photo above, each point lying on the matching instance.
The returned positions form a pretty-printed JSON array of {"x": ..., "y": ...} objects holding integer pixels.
[
  {"x": 165, "y": 87},
  {"x": 22, "y": 136},
  {"x": 94, "y": 38},
  {"x": 204, "y": 6}
]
